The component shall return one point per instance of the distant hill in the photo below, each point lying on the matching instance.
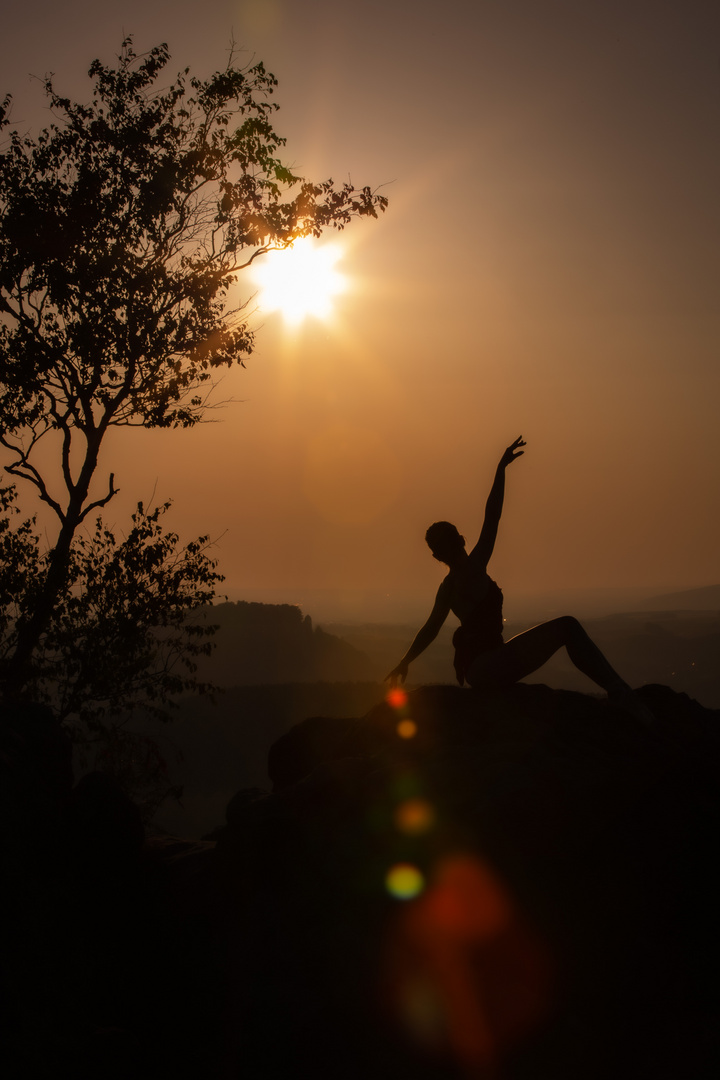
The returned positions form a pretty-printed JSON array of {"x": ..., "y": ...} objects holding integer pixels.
[
  {"x": 259, "y": 644},
  {"x": 706, "y": 598}
]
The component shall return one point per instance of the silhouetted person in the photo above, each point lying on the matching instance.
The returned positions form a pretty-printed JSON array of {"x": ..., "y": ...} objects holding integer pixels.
[{"x": 482, "y": 658}]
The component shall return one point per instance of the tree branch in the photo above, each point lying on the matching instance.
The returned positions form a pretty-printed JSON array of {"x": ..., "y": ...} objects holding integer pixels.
[
  {"x": 35, "y": 478},
  {"x": 112, "y": 490}
]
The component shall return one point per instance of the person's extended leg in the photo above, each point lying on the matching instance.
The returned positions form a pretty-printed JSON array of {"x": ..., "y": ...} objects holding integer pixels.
[{"x": 528, "y": 651}]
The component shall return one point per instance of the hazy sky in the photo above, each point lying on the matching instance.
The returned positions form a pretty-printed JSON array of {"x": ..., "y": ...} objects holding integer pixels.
[{"x": 548, "y": 266}]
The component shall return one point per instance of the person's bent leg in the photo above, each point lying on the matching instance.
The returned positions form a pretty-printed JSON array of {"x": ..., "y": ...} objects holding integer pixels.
[
  {"x": 528, "y": 651},
  {"x": 588, "y": 658}
]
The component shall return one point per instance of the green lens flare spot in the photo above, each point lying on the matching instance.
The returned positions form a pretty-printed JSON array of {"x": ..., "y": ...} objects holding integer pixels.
[{"x": 404, "y": 881}]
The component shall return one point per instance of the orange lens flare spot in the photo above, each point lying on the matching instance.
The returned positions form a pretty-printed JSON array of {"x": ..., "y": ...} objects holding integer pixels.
[
  {"x": 414, "y": 816},
  {"x": 467, "y": 901},
  {"x": 466, "y": 974},
  {"x": 404, "y": 881},
  {"x": 396, "y": 697},
  {"x": 407, "y": 729}
]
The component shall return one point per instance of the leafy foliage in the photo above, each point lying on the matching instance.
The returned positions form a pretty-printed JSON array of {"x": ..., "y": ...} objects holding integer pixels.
[
  {"x": 123, "y": 227},
  {"x": 120, "y": 636},
  {"x": 121, "y": 231}
]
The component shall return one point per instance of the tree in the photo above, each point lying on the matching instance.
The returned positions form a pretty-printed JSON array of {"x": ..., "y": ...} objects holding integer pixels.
[
  {"x": 123, "y": 226},
  {"x": 119, "y": 636}
]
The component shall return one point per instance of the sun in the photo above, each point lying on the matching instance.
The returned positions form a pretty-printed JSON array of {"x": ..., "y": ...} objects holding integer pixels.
[{"x": 300, "y": 280}]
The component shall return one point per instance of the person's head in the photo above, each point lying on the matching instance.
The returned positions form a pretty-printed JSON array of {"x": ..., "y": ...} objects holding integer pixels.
[{"x": 444, "y": 541}]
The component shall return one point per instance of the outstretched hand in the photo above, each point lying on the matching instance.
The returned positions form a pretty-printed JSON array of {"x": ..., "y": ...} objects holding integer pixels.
[
  {"x": 512, "y": 452},
  {"x": 399, "y": 672}
]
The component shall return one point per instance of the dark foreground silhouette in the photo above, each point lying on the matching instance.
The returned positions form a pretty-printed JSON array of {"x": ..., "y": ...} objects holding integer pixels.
[{"x": 557, "y": 860}]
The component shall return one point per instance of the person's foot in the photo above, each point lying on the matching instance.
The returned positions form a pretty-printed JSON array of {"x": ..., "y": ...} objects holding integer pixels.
[{"x": 627, "y": 700}]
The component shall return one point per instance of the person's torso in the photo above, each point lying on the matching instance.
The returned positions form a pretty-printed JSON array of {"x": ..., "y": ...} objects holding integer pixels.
[{"x": 470, "y": 591}]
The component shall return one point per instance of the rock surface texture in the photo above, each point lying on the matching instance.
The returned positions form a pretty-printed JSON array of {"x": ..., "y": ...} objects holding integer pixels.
[{"x": 516, "y": 886}]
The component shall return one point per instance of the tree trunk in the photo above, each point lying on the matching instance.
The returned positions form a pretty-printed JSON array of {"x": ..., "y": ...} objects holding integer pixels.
[{"x": 30, "y": 630}]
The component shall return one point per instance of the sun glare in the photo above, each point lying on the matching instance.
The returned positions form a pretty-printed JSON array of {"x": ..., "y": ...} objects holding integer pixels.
[{"x": 300, "y": 281}]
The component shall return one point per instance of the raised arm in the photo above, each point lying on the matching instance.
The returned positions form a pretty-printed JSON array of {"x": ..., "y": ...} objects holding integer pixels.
[
  {"x": 426, "y": 634},
  {"x": 493, "y": 507}
]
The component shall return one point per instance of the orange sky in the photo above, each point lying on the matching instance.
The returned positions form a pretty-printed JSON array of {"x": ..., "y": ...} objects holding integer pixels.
[{"x": 548, "y": 266}]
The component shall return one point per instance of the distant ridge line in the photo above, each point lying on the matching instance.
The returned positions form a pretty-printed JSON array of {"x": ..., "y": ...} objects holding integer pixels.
[{"x": 706, "y": 598}]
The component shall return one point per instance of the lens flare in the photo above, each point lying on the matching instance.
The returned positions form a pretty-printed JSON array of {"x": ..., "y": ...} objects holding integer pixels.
[
  {"x": 465, "y": 974},
  {"x": 397, "y": 698},
  {"x": 404, "y": 881},
  {"x": 421, "y": 1010},
  {"x": 407, "y": 729},
  {"x": 414, "y": 816},
  {"x": 351, "y": 475}
]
